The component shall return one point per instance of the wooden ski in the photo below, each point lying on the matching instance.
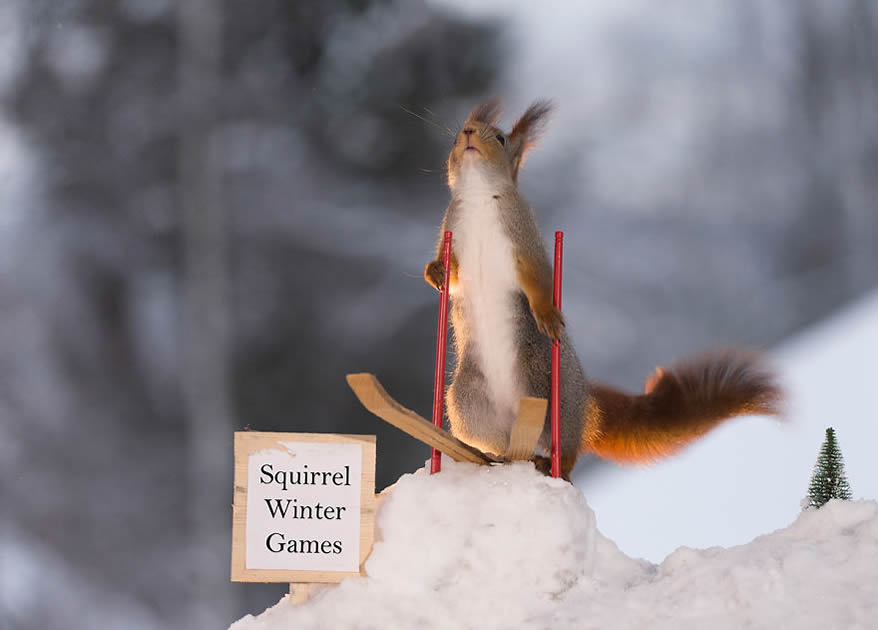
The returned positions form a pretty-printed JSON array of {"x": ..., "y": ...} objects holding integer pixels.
[
  {"x": 527, "y": 429},
  {"x": 525, "y": 433}
]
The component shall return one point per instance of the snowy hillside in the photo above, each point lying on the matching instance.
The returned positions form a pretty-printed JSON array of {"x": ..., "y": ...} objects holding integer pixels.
[
  {"x": 748, "y": 476},
  {"x": 505, "y": 547}
]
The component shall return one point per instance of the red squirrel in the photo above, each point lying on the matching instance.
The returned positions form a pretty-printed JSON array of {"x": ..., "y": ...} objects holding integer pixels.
[{"x": 504, "y": 321}]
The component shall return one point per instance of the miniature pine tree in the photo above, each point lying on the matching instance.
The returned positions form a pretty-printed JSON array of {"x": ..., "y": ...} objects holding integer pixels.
[{"x": 828, "y": 481}]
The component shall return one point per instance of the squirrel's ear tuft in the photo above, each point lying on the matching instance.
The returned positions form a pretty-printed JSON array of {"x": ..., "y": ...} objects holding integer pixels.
[
  {"x": 526, "y": 131},
  {"x": 532, "y": 123},
  {"x": 487, "y": 112}
]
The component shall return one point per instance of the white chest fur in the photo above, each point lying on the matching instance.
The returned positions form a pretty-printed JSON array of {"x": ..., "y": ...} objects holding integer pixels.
[{"x": 487, "y": 285}]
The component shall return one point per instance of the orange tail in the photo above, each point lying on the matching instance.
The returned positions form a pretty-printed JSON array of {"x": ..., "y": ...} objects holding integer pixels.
[{"x": 682, "y": 403}]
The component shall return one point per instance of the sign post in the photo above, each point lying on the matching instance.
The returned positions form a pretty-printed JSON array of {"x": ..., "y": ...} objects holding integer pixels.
[{"x": 304, "y": 507}]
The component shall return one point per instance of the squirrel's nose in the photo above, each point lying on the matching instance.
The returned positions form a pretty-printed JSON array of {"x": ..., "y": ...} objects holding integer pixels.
[{"x": 469, "y": 131}]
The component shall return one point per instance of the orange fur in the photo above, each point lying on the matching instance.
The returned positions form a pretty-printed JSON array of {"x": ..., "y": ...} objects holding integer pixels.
[
  {"x": 684, "y": 403},
  {"x": 537, "y": 286}
]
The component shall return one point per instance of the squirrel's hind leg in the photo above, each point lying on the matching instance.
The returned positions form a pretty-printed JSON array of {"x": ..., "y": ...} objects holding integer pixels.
[{"x": 472, "y": 415}]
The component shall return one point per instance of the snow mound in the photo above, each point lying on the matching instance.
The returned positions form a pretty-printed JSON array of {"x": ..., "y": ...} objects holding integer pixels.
[{"x": 505, "y": 547}]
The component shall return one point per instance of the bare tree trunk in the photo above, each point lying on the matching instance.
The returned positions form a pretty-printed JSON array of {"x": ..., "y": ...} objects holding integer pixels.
[
  {"x": 205, "y": 317},
  {"x": 861, "y": 172}
]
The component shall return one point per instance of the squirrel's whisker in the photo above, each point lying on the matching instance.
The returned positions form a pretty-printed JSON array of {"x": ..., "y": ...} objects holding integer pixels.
[{"x": 441, "y": 128}]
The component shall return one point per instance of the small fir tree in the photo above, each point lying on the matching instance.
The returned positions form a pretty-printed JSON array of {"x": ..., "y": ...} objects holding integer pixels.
[{"x": 828, "y": 481}]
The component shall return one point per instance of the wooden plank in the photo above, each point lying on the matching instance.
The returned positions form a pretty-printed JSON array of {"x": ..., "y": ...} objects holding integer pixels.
[
  {"x": 527, "y": 429},
  {"x": 298, "y": 593},
  {"x": 378, "y": 401},
  {"x": 247, "y": 442}
]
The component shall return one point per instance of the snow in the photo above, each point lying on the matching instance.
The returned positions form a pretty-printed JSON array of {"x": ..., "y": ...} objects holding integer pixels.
[{"x": 505, "y": 547}]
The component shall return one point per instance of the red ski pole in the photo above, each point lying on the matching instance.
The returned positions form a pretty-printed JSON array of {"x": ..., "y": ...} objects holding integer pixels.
[
  {"x": 441, "y": 337},
  {"x": 555, "y": 395}
]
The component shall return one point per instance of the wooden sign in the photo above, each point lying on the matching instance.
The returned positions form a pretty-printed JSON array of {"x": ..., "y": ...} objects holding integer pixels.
[{"x": 304, "y": 506}]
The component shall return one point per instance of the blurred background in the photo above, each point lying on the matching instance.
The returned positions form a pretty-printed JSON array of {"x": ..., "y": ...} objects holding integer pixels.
[{"x": 211, "y": 211}]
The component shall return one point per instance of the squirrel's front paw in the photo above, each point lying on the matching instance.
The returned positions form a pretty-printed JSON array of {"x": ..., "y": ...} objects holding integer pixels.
[
  {"x": 549, "y": 320},
  {"x": 434, "y": 274}
]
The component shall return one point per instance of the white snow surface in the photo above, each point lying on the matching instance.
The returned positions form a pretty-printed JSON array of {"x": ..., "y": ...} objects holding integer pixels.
[{"x": 505, "y": 547}]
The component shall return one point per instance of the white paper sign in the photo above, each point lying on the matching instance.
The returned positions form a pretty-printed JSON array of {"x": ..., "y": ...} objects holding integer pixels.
[{"x": 303, "y": 507}]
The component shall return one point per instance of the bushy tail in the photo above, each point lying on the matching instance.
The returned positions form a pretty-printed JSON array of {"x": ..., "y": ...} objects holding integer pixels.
[{"x": 682, "y": 403}]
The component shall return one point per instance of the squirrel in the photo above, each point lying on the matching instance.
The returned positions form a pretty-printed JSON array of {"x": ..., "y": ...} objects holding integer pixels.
[{"x": 504, "y": 321}]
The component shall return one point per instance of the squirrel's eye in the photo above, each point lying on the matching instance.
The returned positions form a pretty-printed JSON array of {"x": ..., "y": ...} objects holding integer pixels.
[{"x": 501, "y": 139}]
